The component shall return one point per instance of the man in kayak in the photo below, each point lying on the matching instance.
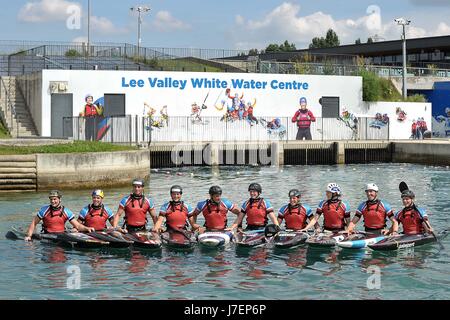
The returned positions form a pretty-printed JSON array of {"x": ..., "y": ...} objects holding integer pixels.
[
  {"x": 336, "y": 212},
  {"x": 135, "y": 206},
  {"x": 54, "y": 218},
  {"x": 375, "y": 213},
  {"x": 295, "y": 214},
  {"x": 413, "y": 219},
  {"x": 215, "y": 212},
  {"x": 96, "y": 214},
  {"x": 256, "y": 209},
  {"x": 175, "y": 212}
]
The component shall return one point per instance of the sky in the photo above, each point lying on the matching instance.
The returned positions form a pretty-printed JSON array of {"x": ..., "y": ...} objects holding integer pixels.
[{"x": 231, "y": 24}]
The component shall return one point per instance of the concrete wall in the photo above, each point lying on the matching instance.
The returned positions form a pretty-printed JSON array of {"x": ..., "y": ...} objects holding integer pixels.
[
  {"x": 430, "y": 152},
  {"x": 91, "y": 170},
  {"x": 31, "y": 86}
]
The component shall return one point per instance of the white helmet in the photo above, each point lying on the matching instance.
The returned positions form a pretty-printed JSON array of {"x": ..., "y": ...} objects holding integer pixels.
[
  {"x": 372, "y": 186},
  {"x": 334, "y": 188}
]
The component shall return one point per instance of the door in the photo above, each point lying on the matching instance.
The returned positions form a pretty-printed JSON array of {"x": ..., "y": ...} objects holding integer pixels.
[
  {"x": 114, "y": 105},
  {"x": 62, "y": 107},
  {"x": 330, "y": 107}
]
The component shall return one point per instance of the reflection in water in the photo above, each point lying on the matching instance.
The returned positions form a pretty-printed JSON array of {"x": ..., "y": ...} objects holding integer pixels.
[{"x": 52, "y": 254}]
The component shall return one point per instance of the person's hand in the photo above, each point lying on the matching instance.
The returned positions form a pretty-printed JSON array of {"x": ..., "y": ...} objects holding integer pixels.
[
  {"x": 27, "y": 238},
  {"x": 385, "y": 232},
  {"x": 90, "y": 229}
]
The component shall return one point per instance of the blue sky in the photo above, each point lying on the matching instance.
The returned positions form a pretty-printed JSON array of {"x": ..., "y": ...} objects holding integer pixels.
[{"x": 230, "y": 24}]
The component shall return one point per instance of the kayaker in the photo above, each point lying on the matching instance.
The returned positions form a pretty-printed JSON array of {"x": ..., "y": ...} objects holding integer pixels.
[
  {"x": 175, "y": 212},
  {"x": 295, "y": 214},
  {"x": 96, "y": 214},
  {"x": 215, "y": 211},
  {"x": 413, "y": 219},
  {"x": 374, "y": 211},
  {"x": 135, "y": 206},
  {"x": 336, "y": 212},
  {"x": 54, "y": 218}
]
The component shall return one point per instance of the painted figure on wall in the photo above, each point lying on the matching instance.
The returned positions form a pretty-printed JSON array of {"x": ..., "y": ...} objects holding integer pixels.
[
  {"x": 96, "y": 125},
  {"x": 351, "y": 121}
]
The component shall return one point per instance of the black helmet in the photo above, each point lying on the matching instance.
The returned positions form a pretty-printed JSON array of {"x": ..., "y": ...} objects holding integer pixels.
[
  {"x": 408, "y": 194},
  {"x": 294, "y": 193},
  {"x": 270, "y": 230},
  {"x": 55, "y": 193},
  {"x": 176, "y": 188},
  {"x": 215, "y": 190},
  {"x": 255, "y": 187}
]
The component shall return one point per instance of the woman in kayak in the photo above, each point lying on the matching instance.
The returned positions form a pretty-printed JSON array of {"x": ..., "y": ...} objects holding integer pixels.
[
  {"x": 135, "y": 206},
  {"x": 215, "y": 211},
  {"x": 54, "y": 218},
  {"x": 413, "y": 219},
  {"x": 175, "y": 212},
  {"x": 336, "y": 212},
  {"x": 375, "y": 213},
  {"x": 96, "y": 214},
  {"x": 295, "y": 214}
]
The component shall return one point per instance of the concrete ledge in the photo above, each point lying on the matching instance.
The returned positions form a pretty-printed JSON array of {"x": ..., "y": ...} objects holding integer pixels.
[
  {"x": 91, "y": 170},
  {"x": 427, "y": 152}
]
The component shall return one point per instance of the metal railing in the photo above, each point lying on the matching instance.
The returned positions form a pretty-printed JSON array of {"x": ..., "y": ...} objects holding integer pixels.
[
  {"x": 7, "y": 109},
  {"x": 143, "y": 130}
]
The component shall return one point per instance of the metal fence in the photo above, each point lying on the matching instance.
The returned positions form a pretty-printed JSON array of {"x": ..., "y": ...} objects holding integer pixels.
[{"x": 143, "y": 130}]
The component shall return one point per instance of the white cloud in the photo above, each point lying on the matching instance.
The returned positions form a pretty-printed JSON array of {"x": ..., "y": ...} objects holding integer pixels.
[
  {"x": 46, "y": 10},
  {"x": 165, "y": 22},
  {"x": 430, "y": 2},
  {"x": 80, "y": 40},
  {"x": 103, "y": 25}
]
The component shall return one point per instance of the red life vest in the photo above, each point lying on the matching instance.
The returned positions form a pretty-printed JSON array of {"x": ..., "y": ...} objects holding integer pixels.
[
  {"x": 334, "y": 216},
  {"x": 90, "y": 110},
  {"x": 295, "y": 217},
  {"x": 176, "y": 215},
  {"x": 411, "y": 221},
  {"x": 374, "y": 215},
  {"x": 256, "y": 212},
  {"x": 135, "y": 211},
  {"x": 302, "y": 119},
  {"x": 54, "y": 221},
  {"x": 215, "y": 215},
  {"x": 96, "y": 218}
]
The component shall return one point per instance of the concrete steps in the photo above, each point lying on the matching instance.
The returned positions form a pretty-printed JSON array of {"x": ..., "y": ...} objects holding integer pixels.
[{"x": 18, "y": 173}]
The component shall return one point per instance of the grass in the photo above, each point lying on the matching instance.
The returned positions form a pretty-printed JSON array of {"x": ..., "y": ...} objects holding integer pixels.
[
  {"x": 76, "y": 147},
  {"x": 4, "y": 134}
]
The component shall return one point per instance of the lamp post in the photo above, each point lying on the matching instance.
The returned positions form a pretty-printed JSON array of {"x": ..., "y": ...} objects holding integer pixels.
[
  {"x": 89, "y": 28},
  {"x": 404, "y": 22},
  {"x": 140, "y": 10}
]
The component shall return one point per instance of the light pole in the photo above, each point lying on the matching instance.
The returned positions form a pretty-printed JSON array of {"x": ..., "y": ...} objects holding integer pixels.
[
  {"x": 404, "y": 22},
  {"x": 141, "y": 10},
  {"x": 89, "y": 28}
]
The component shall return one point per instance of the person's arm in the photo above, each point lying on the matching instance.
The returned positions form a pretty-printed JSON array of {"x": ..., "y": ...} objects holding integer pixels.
[
  {"x": 312, "y": 222},
  {"x": 80, "y": 227},
  {"x": 273, "y": 218},
  {"x": 158, "y": 224},
  {"x": 153, "y": 215},
  {"x": 295, "y": 117},
  {"x": 237, "y": 222},
  {"x": 394, "y": 226},
  {"x": 352, "y": 224},
  {"x": 311, "y": 116},
  {"x": 31, "y": 228},
  {"x": 117, "y": 216}
]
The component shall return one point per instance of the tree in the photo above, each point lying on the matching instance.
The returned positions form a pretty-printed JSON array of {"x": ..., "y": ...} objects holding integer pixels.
[
  {"x": 370, "y": 40},
  {"x": 284, "y": 47},
  {"x": 253, "y": 52},
  {"x": 331, "y": 40},
  {"x": 358, "y": 41}
]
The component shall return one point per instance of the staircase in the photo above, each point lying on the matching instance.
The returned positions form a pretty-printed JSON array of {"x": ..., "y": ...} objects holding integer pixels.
[
  {"x": 18, "y": 173},
  {"x": 14, "y": 110}
]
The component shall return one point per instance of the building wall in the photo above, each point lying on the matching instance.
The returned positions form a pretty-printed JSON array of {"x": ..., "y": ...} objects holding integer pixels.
[{"x": 31, "y": 86}]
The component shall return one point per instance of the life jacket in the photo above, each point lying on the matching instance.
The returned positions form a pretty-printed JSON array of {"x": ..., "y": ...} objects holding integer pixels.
[
  {"x": 411, "y": 220},
  {"x": 374, "y": 215},
  {"x": 176, "y": 215},
  {"x": 136, "y": 210},
  {"x": 334, "y": 216},
  {"x": 90, "y": 110},
  {"x": 295, "y": 217},
  {"x": 215, "y": 215},
  {"x": 256, "y": 212},
  {"x": 96, "y": 218},
  {"x": 54, "y": 220},
  {"x": 302, "y": 119}
]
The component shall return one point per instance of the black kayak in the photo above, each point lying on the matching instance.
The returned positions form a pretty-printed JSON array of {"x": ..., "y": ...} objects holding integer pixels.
[
  {"x": 250, "y": 238},
  {"x": 180, "y": 240},
  {"x": 115, "y": 238},
  {"x": 289, "y": 239},
  {"x": 329, "y": 239},
  {"x": 404, "y": 241},
  {"x": 144, "y": 239},
  {"x": 66, "y": 239}
]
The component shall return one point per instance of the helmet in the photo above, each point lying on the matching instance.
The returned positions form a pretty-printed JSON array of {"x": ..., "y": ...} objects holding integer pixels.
[
  {"x": 177, "y": 189},
  {"x": 408, "y": 194},
  {"x": 303, "y": 100},
  {"x": 215, "y": 190},
  {"x": 372, "y": 186},
  {"x": 270, "y": 230},
  {"x": 277, "y": 121},
  {"x": 55, "y": 193},
  {"x": 98, "y": 193},
  {"x": 255, "y": 187},
  {"x": 344, "y": 110},
  {"x": 334, "y": 188},
  {"x": 447, "y": 110},
  {"x": 138, "y": 182},
  {"x": 88, "y": 96},
  {"x": 294, "y": 193}
]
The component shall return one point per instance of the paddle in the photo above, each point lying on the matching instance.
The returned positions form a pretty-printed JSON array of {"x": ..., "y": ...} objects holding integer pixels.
[{"x": 271, "y": 230}]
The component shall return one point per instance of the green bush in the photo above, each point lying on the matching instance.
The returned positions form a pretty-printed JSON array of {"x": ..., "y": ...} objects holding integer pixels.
[
  {"x": 72, "y": 53},
  {"x": 3, "y": 132}
]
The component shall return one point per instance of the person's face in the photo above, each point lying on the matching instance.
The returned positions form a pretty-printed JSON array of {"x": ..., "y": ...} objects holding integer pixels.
[
  {"x": 294, "y": 200},
  {"x": 371, "y": 195},
  {"x": 89, "y": 100},
  {"x": 176, "y": 196},
  {"x": 138, "y": 189},
  {"x": 328, "y": 194},
  {"x": 55, "y": 201},
  {"x": 215, "y": 197},
  {"x": 303, "y": 105},
  {"x": 407, "y": 202},
  {"x": 254, "y": 194},
  {"x": 97, "y": 201}
]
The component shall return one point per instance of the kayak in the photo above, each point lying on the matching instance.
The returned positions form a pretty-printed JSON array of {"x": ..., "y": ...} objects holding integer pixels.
[
  {"x": 289, "y": 239},
  {"x": 183, "y": 240},
  {"x": 66, "y": 239},
  {"x": 404, "y": 241},
  {"x": 329, "y": 239},
  {"x": 250, "y": 238},
  {"x": 115, "y": 238},
  {"x": 362, "y": 243},
  {"x": 214, "y": 239},
  {"x": 144, "y": 239}
]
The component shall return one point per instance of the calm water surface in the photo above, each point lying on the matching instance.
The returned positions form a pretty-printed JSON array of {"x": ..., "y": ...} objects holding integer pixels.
[{"x": 39, "y": 271}]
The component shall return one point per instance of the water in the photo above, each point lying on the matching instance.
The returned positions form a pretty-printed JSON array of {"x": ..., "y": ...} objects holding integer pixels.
[{"x": 39, "y": 271}]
